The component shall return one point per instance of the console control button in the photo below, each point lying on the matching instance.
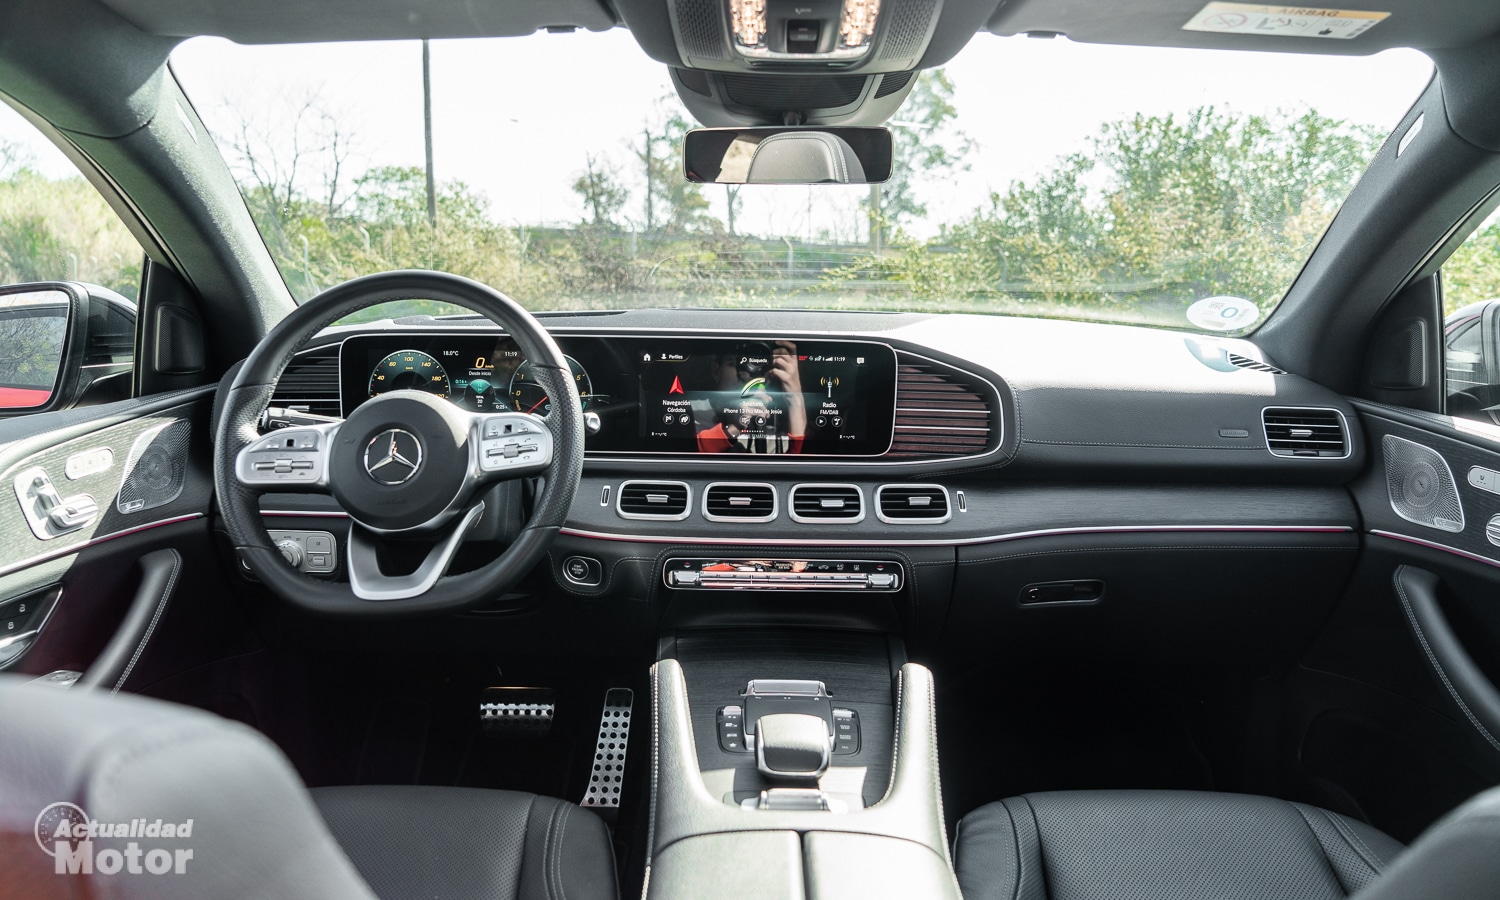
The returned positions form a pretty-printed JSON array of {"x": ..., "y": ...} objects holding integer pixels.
[
  {"x": 731, "y": 725},
  {"x": 845, "y": 732}
]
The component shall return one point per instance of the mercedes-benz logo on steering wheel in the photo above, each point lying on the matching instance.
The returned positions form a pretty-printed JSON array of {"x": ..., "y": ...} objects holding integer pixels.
[{"x": 393, "y": 456}]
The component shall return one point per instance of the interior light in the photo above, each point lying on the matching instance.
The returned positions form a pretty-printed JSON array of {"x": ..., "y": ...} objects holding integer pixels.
[
  {"x": 858, "y": 25},
  {"x": 748, "y": 21}
]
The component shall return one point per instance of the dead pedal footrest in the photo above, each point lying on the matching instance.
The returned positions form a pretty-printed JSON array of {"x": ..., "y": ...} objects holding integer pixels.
[
  {"x": 608, "y": 776},
  {"x": 516, "y": 711}
]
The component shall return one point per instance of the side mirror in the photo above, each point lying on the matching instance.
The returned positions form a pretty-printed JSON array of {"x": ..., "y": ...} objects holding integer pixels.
[
  {"x": 44, "y": 345},
  {"x": 787, "y": 155}
]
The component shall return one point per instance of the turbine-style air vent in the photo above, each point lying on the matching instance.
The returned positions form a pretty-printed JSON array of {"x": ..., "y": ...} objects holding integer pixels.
[
  {"x": 940, "y": 412},
  {"x": 827, "y": 503},
  {"x": 1306, "y": 432},
  {"x": 926, "y": 504},
  {"x": 311, "y": 383},
  {"x": 654, "y": 500},
  {"x": 735, "y": 502}
]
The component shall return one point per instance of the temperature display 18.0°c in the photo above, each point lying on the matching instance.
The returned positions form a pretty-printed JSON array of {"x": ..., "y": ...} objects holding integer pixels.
[{"x": 409, "y": 370}]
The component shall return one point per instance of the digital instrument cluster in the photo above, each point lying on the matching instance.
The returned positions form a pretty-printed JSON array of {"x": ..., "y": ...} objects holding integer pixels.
[{"x": 657, "y": 395}]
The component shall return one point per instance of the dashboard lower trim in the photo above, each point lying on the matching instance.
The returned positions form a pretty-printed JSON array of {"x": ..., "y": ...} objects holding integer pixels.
[
  {"x": 954, "y": 541},
  {"x": 1433, "y": 545}
]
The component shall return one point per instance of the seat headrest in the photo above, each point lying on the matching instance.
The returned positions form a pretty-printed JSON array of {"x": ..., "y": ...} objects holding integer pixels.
[
  {"x": 240, "y": 821},
  {"x": 805, "y": 157}
]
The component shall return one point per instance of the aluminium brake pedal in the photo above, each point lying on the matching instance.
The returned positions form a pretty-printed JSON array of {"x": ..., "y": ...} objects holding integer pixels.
[
  {"x": 516, "y": 711},
  {"x": 608, "y": 776}
]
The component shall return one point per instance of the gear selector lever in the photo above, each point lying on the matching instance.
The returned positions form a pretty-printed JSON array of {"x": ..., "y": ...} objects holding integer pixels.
[{"x": 792, "y": 747}]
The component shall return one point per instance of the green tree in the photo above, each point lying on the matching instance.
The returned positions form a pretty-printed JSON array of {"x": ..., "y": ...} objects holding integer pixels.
[
  {"x": 602, "y": 194},
  {"x": 1472, "y": 273},
  {"x": 670, "y": 202},
  {"x": 1159, "y": 211},
  {"x": 927, "y": 146}
]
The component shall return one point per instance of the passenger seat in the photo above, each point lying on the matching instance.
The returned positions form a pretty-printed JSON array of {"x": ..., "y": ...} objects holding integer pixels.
[{"x": 1187, "y": 845}]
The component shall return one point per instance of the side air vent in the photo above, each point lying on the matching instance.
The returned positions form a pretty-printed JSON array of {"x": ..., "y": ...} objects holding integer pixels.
[
  {"x": 1306, "y": 432},
  {"x": 827, "y": 503},
  {"x": 1255, "y": 365},
  {"x": 940, "y": 411},
  {"x": 668, "y": 500},
  {"x": 926, "y": 504},
  {"x": 311, "y": 383},
  {"x": 736, "y": 502}
]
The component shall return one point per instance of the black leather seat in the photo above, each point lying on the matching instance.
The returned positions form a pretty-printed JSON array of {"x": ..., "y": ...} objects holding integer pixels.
[
  {"x": 256, "y": 831},
  {"x": 469, "y": 842},
  {"x": 1164, "y": 845}
]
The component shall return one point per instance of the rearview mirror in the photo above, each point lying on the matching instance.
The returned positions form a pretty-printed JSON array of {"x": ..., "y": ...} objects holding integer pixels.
[{"x": 787, "y": 155}]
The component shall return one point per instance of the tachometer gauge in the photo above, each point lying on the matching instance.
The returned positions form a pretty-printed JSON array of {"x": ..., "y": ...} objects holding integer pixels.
[
  {"x": 409, "y": 370},
  {"x": 528, "y": 396}
]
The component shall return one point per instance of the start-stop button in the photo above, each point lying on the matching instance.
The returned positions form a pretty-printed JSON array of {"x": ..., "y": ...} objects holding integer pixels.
[{"x": 583, "y": 571}]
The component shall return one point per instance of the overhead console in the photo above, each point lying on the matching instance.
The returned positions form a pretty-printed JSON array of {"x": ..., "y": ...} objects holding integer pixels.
[
  {"x": 669, "y": 395},
  {"x": 744, "y": 62}
]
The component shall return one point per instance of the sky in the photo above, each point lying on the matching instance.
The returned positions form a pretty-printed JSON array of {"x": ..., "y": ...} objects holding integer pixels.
[{"x": 515, "y": 118}]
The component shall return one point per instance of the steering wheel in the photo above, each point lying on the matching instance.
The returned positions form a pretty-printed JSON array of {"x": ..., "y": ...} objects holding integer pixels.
[{"x": 405, "y": 463}]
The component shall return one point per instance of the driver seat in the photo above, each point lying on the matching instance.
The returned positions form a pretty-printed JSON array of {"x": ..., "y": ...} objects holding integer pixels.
[{"x": 251, "y": 828}]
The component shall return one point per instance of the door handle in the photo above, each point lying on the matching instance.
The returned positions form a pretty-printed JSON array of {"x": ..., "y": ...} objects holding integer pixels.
[
  {"x": 159, "y": 571},
  {"x": 1455, "y": 670}
]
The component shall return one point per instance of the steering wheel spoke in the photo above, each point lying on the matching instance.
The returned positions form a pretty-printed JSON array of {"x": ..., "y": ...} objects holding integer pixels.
[
  {"x": 509, "y": 445},
  {"x": 368, "y": 581},
  {"x": 288, "y": 459}
]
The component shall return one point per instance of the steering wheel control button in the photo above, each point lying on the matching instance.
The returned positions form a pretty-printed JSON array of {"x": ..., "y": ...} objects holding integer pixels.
[
  {"x": 306, "y": 551},
  {"x": 583, "y": 571},
  {"x": 393, "y": 456},
  {"x": 291, "y": 456}
]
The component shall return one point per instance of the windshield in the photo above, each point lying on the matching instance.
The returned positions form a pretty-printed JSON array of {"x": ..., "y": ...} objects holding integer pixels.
[{"x": 1171, "y": 187}]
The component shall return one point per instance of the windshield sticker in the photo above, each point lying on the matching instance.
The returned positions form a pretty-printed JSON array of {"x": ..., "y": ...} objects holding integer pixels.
[
  {"x": 1222, "y": 313},
  {"x": 1284, "y": 21}
]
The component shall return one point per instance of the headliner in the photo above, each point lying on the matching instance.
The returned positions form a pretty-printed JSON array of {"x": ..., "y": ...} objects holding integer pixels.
[{"x": 1423, "y": 24}]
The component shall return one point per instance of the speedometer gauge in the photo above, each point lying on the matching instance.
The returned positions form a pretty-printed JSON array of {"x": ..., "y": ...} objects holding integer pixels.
[
  {"x": 409, "y": 370},
  {"x": 528, "y": 396}
]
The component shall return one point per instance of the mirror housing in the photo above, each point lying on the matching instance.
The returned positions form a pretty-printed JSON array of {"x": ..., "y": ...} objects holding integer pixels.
[
  {"x": 787, "y": 155},
  {"x": 46, "y": 346}
]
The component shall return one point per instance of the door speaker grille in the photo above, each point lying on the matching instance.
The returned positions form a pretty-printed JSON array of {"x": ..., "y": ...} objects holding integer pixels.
[{"x": 1421, "y": 485}]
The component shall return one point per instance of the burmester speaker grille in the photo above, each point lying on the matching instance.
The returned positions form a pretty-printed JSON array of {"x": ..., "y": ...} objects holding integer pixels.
[
  {"x": 906, "y": 30},
  {"x": 156, "y": 468},
  {"x": 1421, "y": 485},
  {"x": 794, "y": 92},
  {"x": 700, "y": 27}
]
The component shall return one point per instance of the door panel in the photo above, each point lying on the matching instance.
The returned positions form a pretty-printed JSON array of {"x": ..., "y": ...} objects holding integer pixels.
[
  {"x": 145, "y": 469},
  {"x": 1390, "y": 708}
]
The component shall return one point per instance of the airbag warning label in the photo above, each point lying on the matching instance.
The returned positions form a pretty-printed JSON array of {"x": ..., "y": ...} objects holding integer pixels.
[{"x": 1284, "y": 21}]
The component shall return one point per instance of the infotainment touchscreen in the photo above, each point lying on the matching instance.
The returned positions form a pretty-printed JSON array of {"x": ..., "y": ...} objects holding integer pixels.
[
  {"x": 763, "y": 396},
  {"x": 766, "y": 396}
]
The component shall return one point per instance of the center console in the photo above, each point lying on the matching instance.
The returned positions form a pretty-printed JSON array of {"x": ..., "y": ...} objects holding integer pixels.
[{"x": 794, "y": 763}]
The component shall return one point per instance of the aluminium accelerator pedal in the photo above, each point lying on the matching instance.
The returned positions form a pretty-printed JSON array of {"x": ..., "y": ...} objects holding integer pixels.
[{"x": 608, "y": 775}]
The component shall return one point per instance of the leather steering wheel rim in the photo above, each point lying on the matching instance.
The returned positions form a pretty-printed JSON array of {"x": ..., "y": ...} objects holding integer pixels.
[{"x": 250, "y": 393}]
